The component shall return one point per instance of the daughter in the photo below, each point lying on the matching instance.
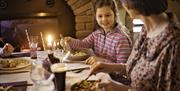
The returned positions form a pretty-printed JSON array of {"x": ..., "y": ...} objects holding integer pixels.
[{"x": 109, "y": 42}]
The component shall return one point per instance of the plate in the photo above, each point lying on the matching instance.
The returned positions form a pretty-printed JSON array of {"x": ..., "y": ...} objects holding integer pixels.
[
  {"x": 14, "y": 63},
  {"x": 78, "y": 55},
  {"x": 61, "y": 67}
]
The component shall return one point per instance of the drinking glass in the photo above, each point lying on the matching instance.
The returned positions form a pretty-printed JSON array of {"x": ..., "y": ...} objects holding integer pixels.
[
  {"x": 41, "y": 77},
  {"x": 56, "y": 45},
  {"x": 33, "y": 44},
  {"x": 61, "y": 55}
]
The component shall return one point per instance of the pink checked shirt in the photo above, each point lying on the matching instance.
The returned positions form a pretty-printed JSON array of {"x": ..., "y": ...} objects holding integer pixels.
[{"x": 114, "y": 46}]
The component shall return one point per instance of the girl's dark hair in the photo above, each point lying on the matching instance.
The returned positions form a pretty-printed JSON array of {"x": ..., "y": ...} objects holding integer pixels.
[
  {"x": 147, "y": 7},
  {"x": 102, "y": 3}
]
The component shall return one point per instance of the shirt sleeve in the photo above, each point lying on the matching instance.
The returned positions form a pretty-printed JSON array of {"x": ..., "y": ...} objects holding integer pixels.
[
  {"x": 169, "y": 71},
  {"x": 87, "y": 42},
  {"x": 1, "y": 52},
  {"x": 123, "y": 50}
]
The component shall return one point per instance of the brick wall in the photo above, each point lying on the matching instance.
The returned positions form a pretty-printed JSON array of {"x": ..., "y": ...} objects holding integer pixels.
[{"x": 83, "y": 11}]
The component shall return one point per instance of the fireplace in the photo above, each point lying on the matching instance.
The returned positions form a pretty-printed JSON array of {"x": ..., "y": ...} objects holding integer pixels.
[{"x": 68, "y": 17}]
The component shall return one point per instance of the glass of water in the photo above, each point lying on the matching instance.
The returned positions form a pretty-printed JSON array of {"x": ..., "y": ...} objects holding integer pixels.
[{"x": 41, "y": 77}]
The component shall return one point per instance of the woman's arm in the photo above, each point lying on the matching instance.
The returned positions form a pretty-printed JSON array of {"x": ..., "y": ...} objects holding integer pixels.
[
  {"x": 108, "y": 67},
  {"x": 111, "y": 85}
]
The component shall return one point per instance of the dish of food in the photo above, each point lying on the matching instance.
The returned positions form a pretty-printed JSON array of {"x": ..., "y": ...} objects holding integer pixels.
[
  {"x": 78, "y": 55},
  {"x": 85, "y": 85},
  {"x": 14, "y": 63}
]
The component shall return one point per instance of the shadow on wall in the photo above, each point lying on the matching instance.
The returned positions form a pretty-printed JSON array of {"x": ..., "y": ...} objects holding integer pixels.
[{"x": 174, "y": 6}]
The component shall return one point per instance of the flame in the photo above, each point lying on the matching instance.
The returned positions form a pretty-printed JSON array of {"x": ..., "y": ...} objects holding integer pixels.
[{"x": 49, "y": 40}]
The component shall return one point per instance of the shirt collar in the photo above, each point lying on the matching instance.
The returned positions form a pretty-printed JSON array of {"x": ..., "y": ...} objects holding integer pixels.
[{"x": 114, "y": 30}]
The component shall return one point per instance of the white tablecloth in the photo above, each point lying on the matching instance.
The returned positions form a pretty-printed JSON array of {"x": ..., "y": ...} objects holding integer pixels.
[{"x": 71, "y": 78}]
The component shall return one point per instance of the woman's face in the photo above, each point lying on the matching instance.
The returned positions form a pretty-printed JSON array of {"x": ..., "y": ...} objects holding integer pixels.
[{"x": 105, "y": 17}]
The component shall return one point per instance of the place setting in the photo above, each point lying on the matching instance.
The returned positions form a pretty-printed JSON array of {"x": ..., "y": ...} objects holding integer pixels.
[{"x": 15, "y": 65}]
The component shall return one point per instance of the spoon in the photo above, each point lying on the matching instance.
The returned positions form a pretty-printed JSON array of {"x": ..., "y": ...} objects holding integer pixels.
[{"x": 65, "y": 57}]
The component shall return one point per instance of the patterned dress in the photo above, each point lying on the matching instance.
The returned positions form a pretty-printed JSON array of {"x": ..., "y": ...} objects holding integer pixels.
[{"x": 154, "y": 64}]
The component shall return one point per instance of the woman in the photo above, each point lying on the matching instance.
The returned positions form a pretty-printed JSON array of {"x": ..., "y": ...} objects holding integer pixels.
[{"x": 154, "y": 63}]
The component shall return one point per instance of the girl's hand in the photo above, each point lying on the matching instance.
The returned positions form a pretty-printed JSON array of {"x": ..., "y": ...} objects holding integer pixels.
[
  {"x": 64, "y": 42},
  {"x": 94, "y": 59}
]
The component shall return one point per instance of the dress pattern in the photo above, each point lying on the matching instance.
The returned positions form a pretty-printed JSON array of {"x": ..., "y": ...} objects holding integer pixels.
[{"x": 154, "y": 63}]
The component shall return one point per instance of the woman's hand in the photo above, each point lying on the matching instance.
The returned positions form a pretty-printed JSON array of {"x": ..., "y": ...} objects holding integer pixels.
[
  {"x": 99, "y": 67},
  {"x": 7, "y": 49},
  {"x": 108, "y": 84},
  {"x": 94, "y": 59}
]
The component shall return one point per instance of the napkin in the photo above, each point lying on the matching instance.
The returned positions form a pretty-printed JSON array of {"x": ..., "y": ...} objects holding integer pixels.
[
  {"x": 16, "y": 86},
  {"x": 18, "y": 54},
  {"x": 21, "y": 54}
]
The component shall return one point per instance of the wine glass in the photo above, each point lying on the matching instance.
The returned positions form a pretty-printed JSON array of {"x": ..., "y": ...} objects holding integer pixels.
[
  {"x": 61, "y": 55},
  {"x": 33, "y": 44},
  {"x": 41, "y": 77}
]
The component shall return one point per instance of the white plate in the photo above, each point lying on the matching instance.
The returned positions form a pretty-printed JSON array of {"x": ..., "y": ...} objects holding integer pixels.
[
  {"x": 21, "y": 62},
  {"x": 61, "y": 67}
]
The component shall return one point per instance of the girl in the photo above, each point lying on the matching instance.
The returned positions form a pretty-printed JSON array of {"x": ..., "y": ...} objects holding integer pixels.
[{"x": 109, "y": 42}]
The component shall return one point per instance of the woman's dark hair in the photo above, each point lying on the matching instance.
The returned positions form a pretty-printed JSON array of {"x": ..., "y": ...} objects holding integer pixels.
[
  {"x": 147, "y": 7},
  {"x": 102, "y": 3}
]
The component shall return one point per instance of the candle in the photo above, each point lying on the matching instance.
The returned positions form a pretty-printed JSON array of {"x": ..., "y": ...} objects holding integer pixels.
[{"x": 49, "y": 40}]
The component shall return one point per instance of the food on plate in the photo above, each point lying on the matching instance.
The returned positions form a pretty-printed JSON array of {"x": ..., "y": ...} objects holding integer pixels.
[
  {"x": 85, "y": 85},
  {"x": 13, "y": 62},
  {"x": 78, "y": 55}
]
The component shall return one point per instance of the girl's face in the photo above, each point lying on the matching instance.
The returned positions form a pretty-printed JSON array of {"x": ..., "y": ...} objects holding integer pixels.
[{"x": 105, "y": 17}]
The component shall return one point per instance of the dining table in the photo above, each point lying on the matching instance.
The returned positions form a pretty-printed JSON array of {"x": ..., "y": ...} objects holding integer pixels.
[{"x": 71, "y": 77}]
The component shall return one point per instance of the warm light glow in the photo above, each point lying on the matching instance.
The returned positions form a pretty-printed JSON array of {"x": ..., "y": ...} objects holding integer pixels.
[
  {"x": 41, "y": 14},
  {"x": 49, "y": 40}
]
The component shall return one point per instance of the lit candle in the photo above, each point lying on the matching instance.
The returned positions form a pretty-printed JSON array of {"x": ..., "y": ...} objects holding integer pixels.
[{"x": 49, "y": 40}]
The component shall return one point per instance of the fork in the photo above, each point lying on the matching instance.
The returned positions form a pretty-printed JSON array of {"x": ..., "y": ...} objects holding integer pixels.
[{"x": 65, "y": 57}]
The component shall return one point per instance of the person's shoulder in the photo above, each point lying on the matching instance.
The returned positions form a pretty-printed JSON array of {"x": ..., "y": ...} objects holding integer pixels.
[{"x": 122, "y": 30}]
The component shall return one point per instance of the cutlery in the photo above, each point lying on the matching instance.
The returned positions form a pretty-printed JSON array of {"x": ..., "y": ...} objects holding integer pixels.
[
  {"x": 87, "y": 77},
  {"x": 65, "y": 57},
  {"x": 7, "y": 88},
  {"x": 14, "y": 72}
]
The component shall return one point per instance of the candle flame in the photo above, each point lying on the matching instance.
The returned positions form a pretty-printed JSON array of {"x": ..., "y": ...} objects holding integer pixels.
[{"x": 49, "y": 39}]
